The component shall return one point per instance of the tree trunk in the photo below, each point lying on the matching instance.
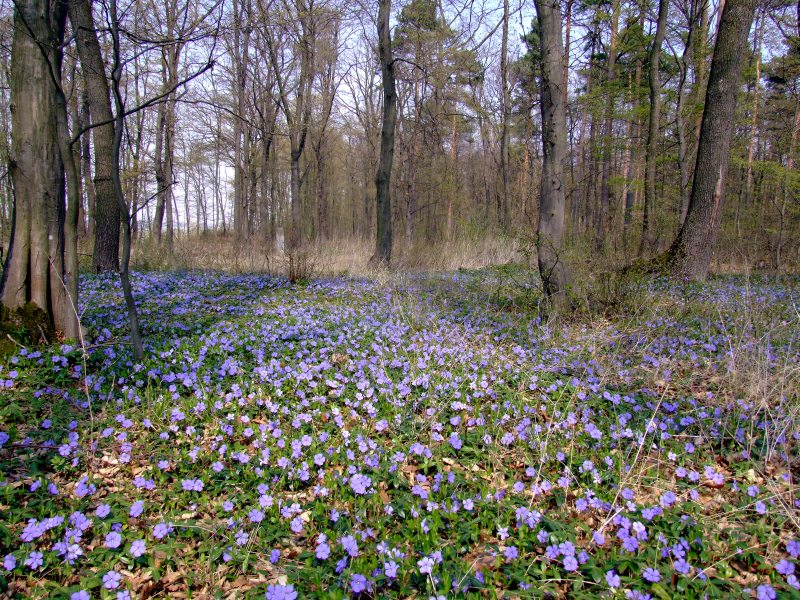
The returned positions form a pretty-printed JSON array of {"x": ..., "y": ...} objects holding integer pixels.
[
  {"x": 690, "y": 254},
  {"x": 107, "y": 217},
  {"x": 119, "y": 122},
  {"x": 505, "y": 106},
  {"x": 601, "y": 218},
  {"x": 553, "y": 91},
  {"x": 648, "y": 241},
  {"x": 84, "y": 117},
  {"x": 158, "y": 168},
  {"x": 383, "y": 176},
  {"x": 751, "y": 144},
  {"x": 34, "y": 268}
]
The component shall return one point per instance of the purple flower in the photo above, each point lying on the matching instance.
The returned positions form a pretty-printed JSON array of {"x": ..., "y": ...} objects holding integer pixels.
[
  {"x": 296, "y": 525},
  {"x": 34, "y": 560},
  {"x": 765, "y": 592},
  {"x": 136, "y": 509},
  {"x": 784, "y": 567},
  {"x": 275, "y": 556},
  {"x": 612, "y": 579},
  {"x": 350, "y": 545},
  {"x": 668, "y": 499},
  {"x": 511, "y": 552},
  {"x": 255, "y": 515},
  {"x": 358, "y": 583},
  {"x": 113, "y": 540},
  {"x": 138, "y": 548},
  {"x": 425, "y": 565},
  {"x": 102, "y": 511},
  {"x": 682, "y": 567},
  {"x": 390, "y": 569},
  {"x": 281, "y": 592},
  {"x": 652, "y": 575},
  {"x": 631, "y": 544},
  {"x": 360, "y": 483},
  {"x": 192, "y": 485},
  {"x": 570, "y": 563},
  {"x": 161, "y": 530},
  {"x": 80, "y": 595},
  {"x": 9, "y": 562},
  {"x": 111, "y": 580},
  {"x": 323, "y": 551}
]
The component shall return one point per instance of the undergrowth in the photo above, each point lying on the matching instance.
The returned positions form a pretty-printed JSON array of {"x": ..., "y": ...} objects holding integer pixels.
[{"x": 409, "y": 434}]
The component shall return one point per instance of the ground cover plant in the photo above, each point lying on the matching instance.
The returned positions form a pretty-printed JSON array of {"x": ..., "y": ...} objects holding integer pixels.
[{"x": 425, "y": 436}]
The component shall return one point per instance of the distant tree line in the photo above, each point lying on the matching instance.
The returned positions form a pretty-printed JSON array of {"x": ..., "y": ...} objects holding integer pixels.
[{"x": 654, "y": 131}]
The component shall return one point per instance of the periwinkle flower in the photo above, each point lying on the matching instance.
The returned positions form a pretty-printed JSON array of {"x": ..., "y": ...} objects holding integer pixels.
[
  {"x": 281, "y": 592},
  {"x": 9, "y": 562},
  {"x": 425, "y": 565},
  {"x": 111, "y": 580},
  {"x": 358, "y": 583},
  {"x": 360, "y": 483},
  {"x": 390, "y": 569},
  {"x": 138, "y": 548},
  {"x": 570, "y": 563},
  {"x": 652, "y": 575}
]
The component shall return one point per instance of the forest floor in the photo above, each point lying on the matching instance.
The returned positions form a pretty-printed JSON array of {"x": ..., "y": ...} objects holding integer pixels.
[{"x": 409, "y": 436}]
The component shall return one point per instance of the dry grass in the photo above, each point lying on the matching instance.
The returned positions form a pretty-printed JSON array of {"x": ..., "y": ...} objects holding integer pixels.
[{"x": 336, "y": 257}]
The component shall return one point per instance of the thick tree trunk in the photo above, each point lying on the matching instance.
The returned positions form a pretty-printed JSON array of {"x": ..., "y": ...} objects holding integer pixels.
[
  {"x": 383, "y": 176},
  {"x": 34, "y": 269},
  {"x": 648, "y": 241},
  {"x": 107, "y": 216},
  {"x": 553, "y": 91},
  {"x": 690, "y": 254}
]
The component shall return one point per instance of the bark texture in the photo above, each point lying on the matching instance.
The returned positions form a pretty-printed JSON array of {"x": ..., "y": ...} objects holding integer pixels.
[
  {"x": 690, "y": 254},
  {"x": 34, "y": 269},
  {"x": 383, "y": 176},
  {"x": 648, "y": 225},
  {"x": 107, "y": 216},
  {"x": 552, "y": 199}
]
